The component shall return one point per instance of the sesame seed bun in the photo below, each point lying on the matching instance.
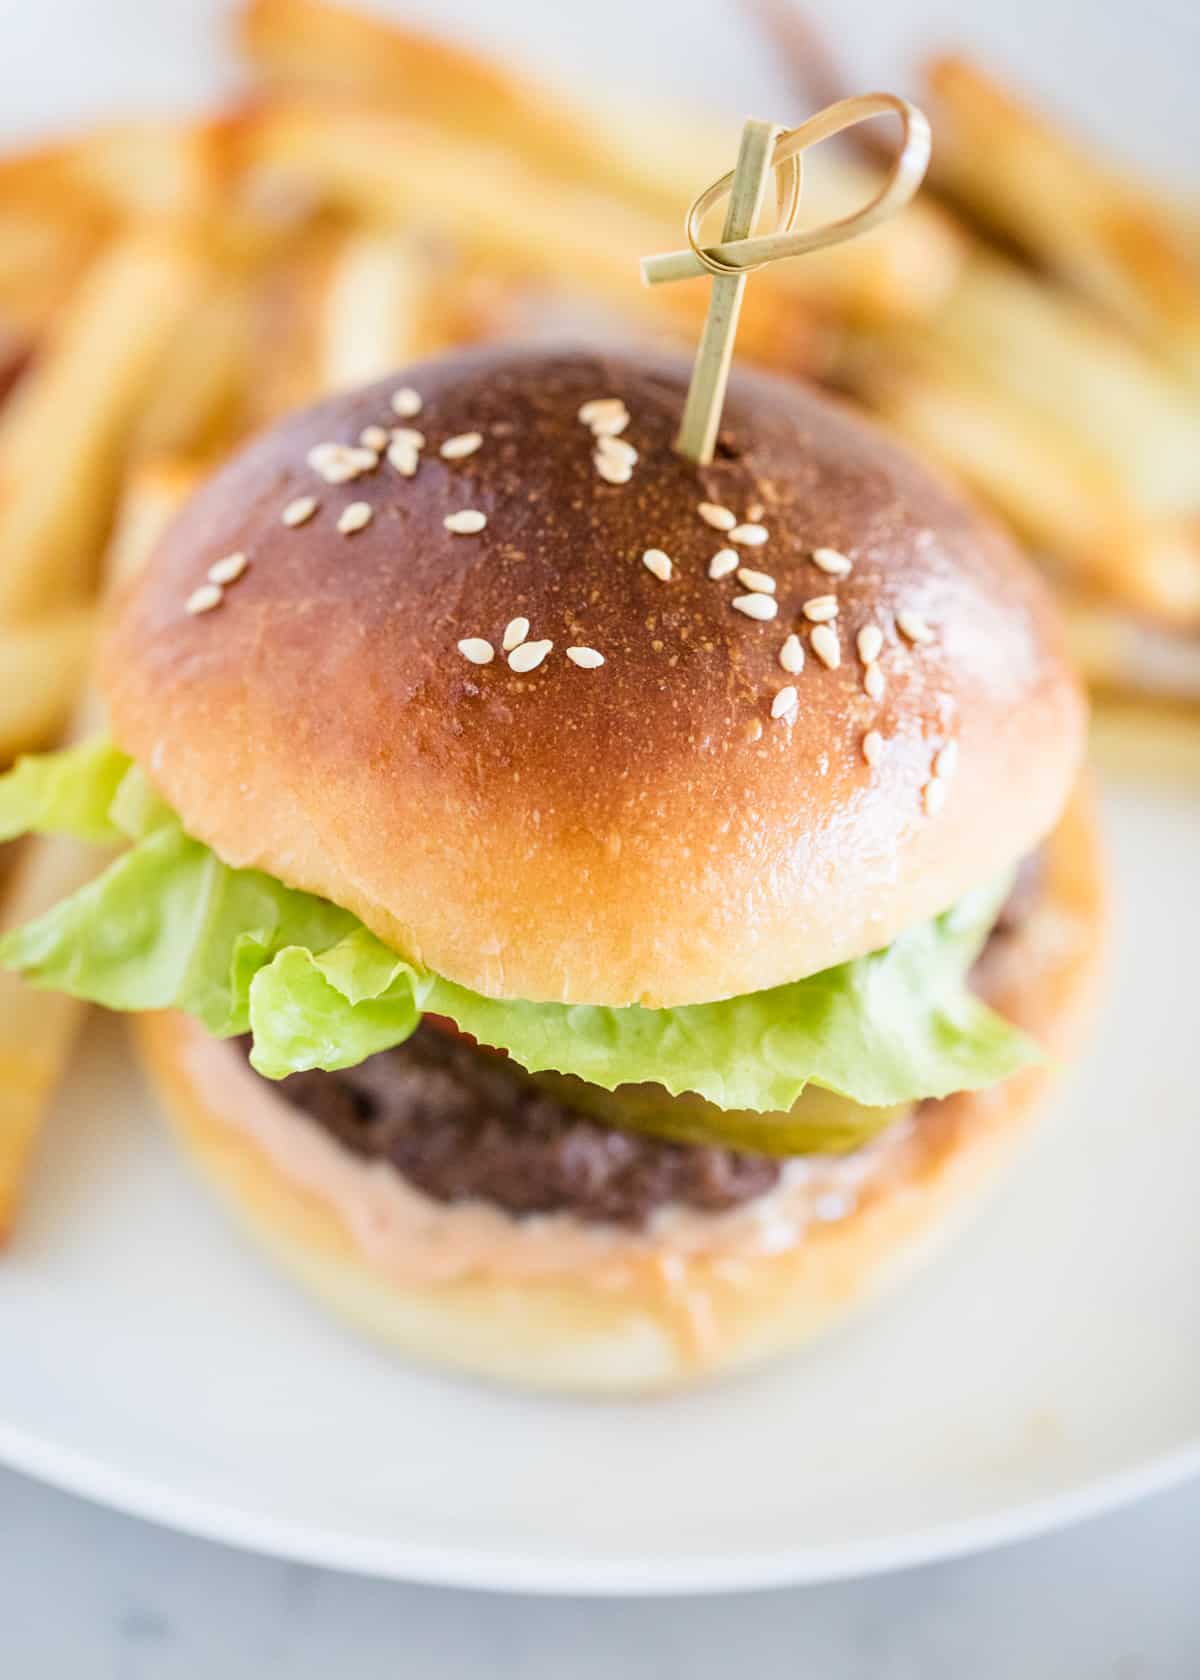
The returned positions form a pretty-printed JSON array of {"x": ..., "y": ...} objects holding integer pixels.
[
  {"x": 670, "y": 826},
  {"x": 674, "y": 1317}
]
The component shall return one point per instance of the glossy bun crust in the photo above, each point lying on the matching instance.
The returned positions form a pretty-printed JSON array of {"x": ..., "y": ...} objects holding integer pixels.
[
  {"x": 677, "y": 1318},
  {"x": 640, "y": 832}
]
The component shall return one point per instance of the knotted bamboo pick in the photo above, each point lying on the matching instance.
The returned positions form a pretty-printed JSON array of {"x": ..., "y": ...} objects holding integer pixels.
[{"x": 740, "y": 252}]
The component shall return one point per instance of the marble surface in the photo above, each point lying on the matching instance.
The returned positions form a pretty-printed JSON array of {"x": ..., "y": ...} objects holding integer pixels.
[{"x": 86, "y": 1593}]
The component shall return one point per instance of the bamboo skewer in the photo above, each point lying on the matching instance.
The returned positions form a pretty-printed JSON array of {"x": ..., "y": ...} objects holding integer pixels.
[
  {"x": 764, "y": 148},
  {"x": 706, "y": 393}
]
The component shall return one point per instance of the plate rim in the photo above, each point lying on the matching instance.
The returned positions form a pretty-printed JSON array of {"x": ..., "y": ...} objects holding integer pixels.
[{"x": 529, "y": 1570}]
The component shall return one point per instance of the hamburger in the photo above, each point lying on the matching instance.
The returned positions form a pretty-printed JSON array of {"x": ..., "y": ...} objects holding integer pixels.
[{"x": 596, "y": 918}]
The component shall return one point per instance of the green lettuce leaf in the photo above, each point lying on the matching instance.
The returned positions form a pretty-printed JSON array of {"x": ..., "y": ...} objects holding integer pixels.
[
  {"x": 168, "y": 925},
  {"x": 69, "y": 792}
]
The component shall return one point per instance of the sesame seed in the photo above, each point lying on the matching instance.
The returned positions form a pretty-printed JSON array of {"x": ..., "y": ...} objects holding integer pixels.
[
  {"x": 791, "y": 654},
  {"x": 612, "y": 470},
  {"x": 935, "y": 796},
  {"x": 204, "y": 599},
  {"x": 373, "y": 437},
  {"x": 723, "y": 562},
  {"x": 761, "y": 582},
  {"x": 913, "y": 626},
  {"x": 406, "y": 402},
  {"x": 820, "y": 609},
  {"x": 338, "y": 463},
  {"x": 228, "y": 570},
  {"x": 610, "y": 424},
  {"x": 409, "y": 436},
  {"x": 718, "y": 517},
  {"x": 297, "y": 511},
  {"x": 750, "y": 536},
  {"x": 477, "y": 650},
  {"x": 529, "y": 655},
  {"x": 659, "y": 563},
  {"x": 458, "y": 448},
  {"x": 873, "y": 681},
  {"x": 946, "y": 762},
  {"x": 755, "y": 511},
  {"x": 785, "y": 702},
  {"x": 601, "y": 408},
  {"x": 832, "y": 562},
  {"x": 617, "y": 449},
  {"x": 762, "y": 607},
  {"x": 826, "y": 646},
  {"x": 404, "y": 458},
  {"x": 870, "y": 643},
  {"x": 585, "y": 657},
  {"x": 467, "y": 523},
  {"x": 872, "y": 747},
  {"x": 354, "y": 517},
  {"x": 515, "y": 632}
]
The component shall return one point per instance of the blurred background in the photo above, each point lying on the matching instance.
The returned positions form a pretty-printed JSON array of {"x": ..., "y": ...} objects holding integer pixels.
[{"x": 212, "y": 211}]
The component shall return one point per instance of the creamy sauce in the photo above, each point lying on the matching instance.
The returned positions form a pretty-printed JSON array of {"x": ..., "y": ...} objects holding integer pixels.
[{"x": 418, "y": 1239}]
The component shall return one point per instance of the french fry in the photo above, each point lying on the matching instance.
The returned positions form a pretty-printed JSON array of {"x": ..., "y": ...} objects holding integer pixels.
[
  {"x": 525, "y": 228},
  {"x": 1061, "y": 421},
  {"x": 154, "y": 493},
  {"x": 38, "y": 1029},
  {"x": 512, "y": 202},
  {"x": 308, "y": 46},
  {"x": 63, "y": 434},
  {"x": 196, "y": 402},
  {"x": 1060, "y": 494},
  {"x": 41, "y": 667},
  {"x": 1040, "y": 346},
  {"x": 1146, "y": 740},
  {"x": 1105, "y": 234},
  {"x": 147, "y": 169},
  {"x": 378, "y": 310},
  {"x": 1122, "y": 654},
  {"x": 288, "y": 302},
  {"x": 49, "y": 231},
  {"x": 43, "y": 252}
]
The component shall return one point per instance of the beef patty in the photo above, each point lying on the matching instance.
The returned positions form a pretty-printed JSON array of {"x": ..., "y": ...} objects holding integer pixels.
[{"x": 461, "y": 1123}]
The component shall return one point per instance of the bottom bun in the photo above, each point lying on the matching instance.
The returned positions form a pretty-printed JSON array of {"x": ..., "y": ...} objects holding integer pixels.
[{"x": 649, "y": 1312}]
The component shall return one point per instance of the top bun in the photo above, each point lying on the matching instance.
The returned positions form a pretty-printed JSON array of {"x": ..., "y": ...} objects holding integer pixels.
[{"x": 644, "y": 831}]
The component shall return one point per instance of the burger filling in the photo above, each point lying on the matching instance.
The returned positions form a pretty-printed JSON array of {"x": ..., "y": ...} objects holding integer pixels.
[
  {"x": 461, "y": 1123},
  {"x": 533, "y": 1105}
]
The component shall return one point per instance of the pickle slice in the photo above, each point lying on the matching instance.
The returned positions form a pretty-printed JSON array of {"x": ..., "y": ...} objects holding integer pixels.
[{"x": 821, "y": 1123}]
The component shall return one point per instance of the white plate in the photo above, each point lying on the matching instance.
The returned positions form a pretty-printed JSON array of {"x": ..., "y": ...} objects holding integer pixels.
[{"x": 1047, "y": 1368}]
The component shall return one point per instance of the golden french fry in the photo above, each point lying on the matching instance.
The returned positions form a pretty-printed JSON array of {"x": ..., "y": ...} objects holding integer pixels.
[
  {"x": 1040, "y": 346},
  {"x": 313, "y": 47},
  {"x": 150, "y": 168},
  {"x": 63, "y": 434},
  {"x": 1060, "y": 494},
  {"x": 1106, "y": 234},
  {"x": 1145, "y": 740},
  {"x": 378, "y": 308},
  {"x": 1122, "y": 653},
  {"x": 492, "y": 208},
  {"x": 41, "y": 668},
  {"x": 196, "y": 402},
  {"x": 43, "y": 252},
  {"x": 288, "y": 303},
  {"x": 154, "y": 492},
  {"x": 37, "y": 1029},
  {"x": 49, "y": 231}
]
